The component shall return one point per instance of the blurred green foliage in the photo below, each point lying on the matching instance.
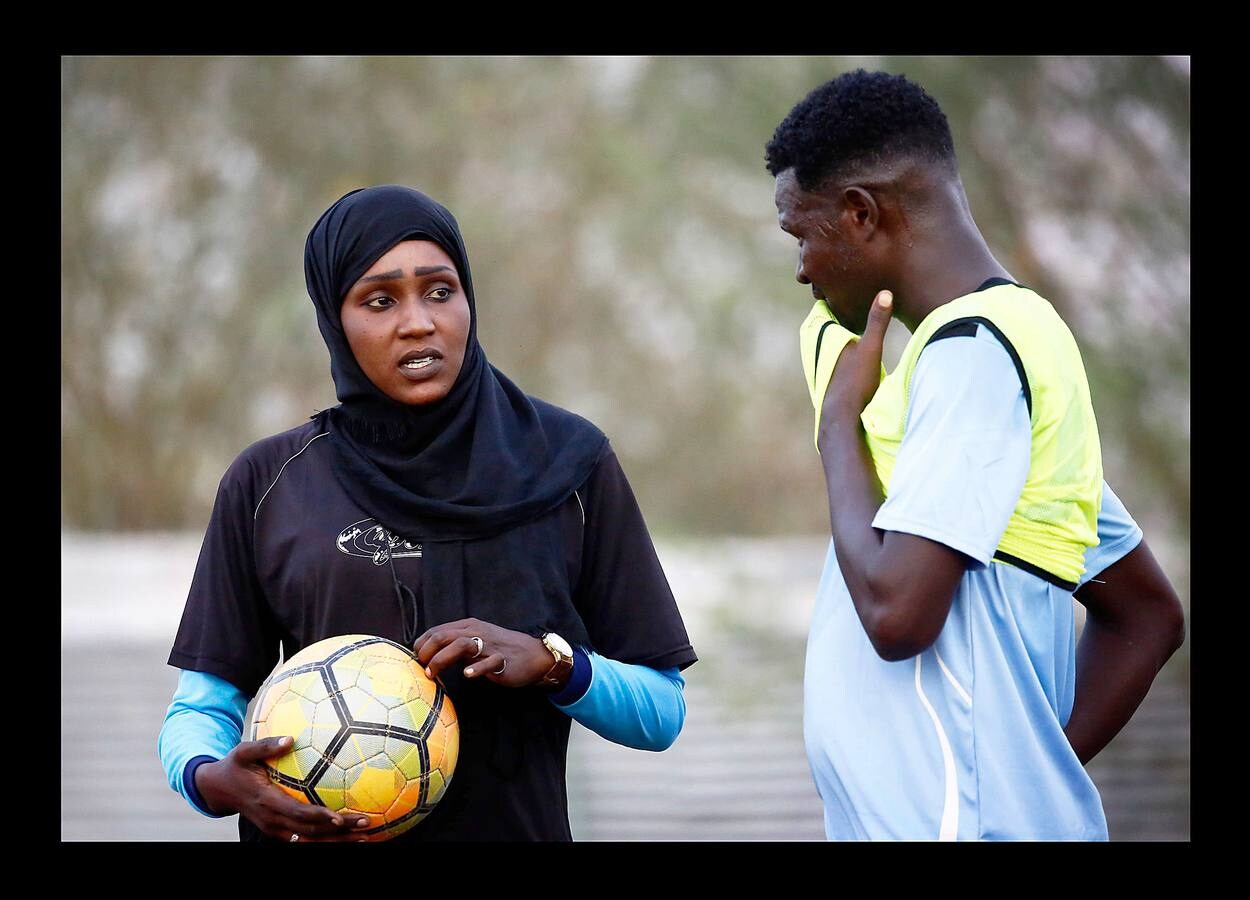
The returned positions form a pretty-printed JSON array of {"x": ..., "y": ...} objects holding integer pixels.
[{"x": 623, "y": 237}]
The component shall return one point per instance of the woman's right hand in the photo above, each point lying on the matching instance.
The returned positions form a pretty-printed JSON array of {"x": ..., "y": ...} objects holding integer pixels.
[{"x": 239, "y": 783}]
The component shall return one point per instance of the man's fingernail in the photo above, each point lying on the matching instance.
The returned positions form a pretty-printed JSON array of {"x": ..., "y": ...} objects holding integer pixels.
[
  {"x": 282, "y": 742},
  {"x": 428, "y": 673},
  {"x": 469, "y": 671},
  {"x": 361, "y": 823},
  {"x": 886, "y": 299}
]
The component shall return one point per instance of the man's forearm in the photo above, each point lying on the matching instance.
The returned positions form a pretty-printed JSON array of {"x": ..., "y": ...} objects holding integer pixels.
[
  {"x": 1134, "y": 623},
  {"x": 901, "y": 584},
  {"x": 854, "y": 495},
  {"x": 1114, "y": 672}
]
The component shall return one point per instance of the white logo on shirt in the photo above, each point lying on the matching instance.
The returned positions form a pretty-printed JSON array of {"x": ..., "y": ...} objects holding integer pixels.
[{"x": 368, "y": 539}]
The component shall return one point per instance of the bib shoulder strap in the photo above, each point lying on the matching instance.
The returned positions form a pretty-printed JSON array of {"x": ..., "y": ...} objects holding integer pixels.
[{"x": 967, "y": 327}]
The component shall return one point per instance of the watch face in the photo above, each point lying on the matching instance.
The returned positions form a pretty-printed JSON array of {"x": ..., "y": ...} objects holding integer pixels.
[{"x": 558, "y": 644}]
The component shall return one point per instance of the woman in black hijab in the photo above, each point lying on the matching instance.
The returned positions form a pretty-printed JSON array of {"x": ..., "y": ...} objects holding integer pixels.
[{"x": 442, "y": 507}]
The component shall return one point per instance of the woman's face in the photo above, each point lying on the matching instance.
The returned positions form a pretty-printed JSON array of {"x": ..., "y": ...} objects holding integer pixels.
[{"x": 407, "y": 322}]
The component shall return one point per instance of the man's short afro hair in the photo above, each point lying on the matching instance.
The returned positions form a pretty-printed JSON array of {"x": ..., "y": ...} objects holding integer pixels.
[{"x": 858, "y": 117}]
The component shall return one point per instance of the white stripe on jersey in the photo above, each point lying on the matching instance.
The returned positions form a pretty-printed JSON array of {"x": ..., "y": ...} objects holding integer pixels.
[{"x": 283, "y": 469}]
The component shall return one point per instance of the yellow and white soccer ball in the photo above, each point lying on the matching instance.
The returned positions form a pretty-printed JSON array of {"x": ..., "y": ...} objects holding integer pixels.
[{"x": 374, "y": 735}]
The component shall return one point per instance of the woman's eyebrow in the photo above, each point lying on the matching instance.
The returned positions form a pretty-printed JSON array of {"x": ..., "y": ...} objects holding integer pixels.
[
  {"x": 385, "y": 276},
  {"x": 418, "y": 271}
]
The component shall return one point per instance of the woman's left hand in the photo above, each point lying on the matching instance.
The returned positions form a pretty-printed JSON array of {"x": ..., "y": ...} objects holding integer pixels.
[{"x": 504, "y": 656}]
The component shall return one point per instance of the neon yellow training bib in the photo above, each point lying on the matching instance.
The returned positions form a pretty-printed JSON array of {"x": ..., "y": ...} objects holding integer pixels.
[{"x": 1056, "y": 517}]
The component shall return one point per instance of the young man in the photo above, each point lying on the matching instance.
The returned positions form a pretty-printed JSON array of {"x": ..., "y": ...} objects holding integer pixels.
[{"x": 944, "y": 696}]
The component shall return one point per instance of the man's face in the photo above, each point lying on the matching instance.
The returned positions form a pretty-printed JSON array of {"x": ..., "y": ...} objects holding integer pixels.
[{"x": 832, "y": 262}]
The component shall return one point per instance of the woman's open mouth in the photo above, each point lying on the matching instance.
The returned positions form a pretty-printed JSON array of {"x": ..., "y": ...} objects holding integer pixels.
[{"x": 419, "y": 364}]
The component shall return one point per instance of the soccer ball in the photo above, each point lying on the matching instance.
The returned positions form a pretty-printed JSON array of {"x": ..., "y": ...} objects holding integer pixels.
[{"x": 373, "y": 735}]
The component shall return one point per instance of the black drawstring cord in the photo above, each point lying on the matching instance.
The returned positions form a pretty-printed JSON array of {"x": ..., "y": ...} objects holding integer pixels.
[{"x": 410, "y": 636}]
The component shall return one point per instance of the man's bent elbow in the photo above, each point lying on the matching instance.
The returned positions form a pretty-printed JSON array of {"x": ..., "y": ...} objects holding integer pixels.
[
  {"x": 905, "y": 614},
  {"x": 1173, "y": 625},
  {"x": 1163, "y": 622},
  {"x": 897, "y": 651},
  {"x": 896, "y": 636}
]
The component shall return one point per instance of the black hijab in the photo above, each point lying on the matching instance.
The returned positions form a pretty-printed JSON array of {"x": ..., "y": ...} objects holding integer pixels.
[
  {"x": 471, "y": 476},
  {"x": 482, "y": 460}
]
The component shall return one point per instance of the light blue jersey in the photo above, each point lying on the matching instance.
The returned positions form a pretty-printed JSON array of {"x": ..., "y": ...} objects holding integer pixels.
[{"x": 965, "y": 740}]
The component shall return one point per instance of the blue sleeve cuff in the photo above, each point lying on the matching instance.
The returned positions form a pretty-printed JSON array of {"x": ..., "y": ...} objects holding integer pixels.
[
  {"x": 188, "y": 784},
  {"x": 630, "y": 704},
  {"x": 205, "y": 719},
  {"x": 578, "y": 682}
]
